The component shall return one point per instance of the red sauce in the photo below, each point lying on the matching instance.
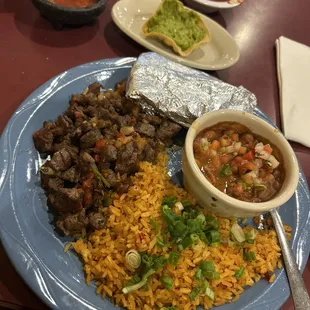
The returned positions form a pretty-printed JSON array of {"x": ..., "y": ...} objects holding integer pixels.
[{"x": 74, "y": 3}]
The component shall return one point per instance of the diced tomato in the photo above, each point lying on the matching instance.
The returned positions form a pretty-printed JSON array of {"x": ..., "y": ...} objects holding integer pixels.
[
  {"x": 249, "y": 156},
  {"x": 216, "y": 162},
  {"x": 226, "y": 158},
  {"x": 100, "y": 144},
  {"x": 268, "y": 148},
  {"x": 215, "y": 145},
  {"x": 237, "y": 190},
  {"x": 242, "y": 150},
  {"x": 239, "y": 159},
  {"x": 77, "y": 114},
  {"x": 36, "y": 134},
  {"x": 235, "y": 137},
  {"x": 246, "y": 167},
  {"x": 251, "y": 146}
]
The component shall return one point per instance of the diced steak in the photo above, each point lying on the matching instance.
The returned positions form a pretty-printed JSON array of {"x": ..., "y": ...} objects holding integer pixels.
[
  {"x": 110, "y": 177},
  {"x": 96, "y": 220},
  {"x": 65, "y": 123},
  {"x": 108, "y": 153},
  {"x": 66, "y": 199},
  {"x": 43, "y": 140},
  {"x": 89, "y": 139},
  {"x": 71, "y": 175},
  {"x": 127, "y": 159},
  {"x": 72, "y": 224},
  {"x": 152, "y": 119},
  {"x": 94, "y": 88},
  {"x": 125, "y": 120},
  {"x": 61, "y": 160},
  {"x": 148, "y": 154},
  {"x": 145, "y": 129},
  {"x": 167, "y": 130}
]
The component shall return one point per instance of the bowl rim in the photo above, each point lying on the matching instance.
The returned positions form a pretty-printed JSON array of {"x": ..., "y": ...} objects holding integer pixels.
[
  {"x": 215, "y": 4},
  {"x": 275, "y": 202},
  {"x": 95, "y": 6}
]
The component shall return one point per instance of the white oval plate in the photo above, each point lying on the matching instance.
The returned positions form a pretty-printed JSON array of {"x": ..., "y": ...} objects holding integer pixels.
[
  {"x": 220, "y": 53},
  {"x": 209, "y": 6}
]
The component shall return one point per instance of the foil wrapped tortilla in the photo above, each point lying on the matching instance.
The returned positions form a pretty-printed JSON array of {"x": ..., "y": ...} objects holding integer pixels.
[{"x": 181, "y": 93}]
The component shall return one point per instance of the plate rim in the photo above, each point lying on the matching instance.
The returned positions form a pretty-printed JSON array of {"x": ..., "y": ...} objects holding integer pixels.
[
  {"x": 172, "y": 55},
  {"x": 3, "y": 182}
]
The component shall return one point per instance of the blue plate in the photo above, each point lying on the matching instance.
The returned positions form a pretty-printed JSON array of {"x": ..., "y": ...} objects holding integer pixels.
[{"x": 26, "y": 230}]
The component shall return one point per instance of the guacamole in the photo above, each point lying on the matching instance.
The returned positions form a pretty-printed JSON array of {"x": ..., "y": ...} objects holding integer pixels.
[{"x": 180, "y": 24}]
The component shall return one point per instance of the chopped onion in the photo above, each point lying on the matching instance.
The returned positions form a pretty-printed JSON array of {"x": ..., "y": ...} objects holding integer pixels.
[
  {"x": 133, "y": 258},
  {"x": 258, "y": 163},
  {"x": 273, "y": 162},
  {"x": 213, "y": 153},
  {"x": 238, "y": 233},
  {"x": 259, "y": 147},
  {"x": 230, "y": 149},
  {"x": 127, "y": 130},
  {"x": 179, "y": 205},
  {"x": 263, "y": 154},
  {"x": 237, "y": 146},
  {"x": 258, "y": 181}
]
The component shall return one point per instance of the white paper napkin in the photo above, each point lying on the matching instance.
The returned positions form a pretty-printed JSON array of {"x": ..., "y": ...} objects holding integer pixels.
[{"x": 293, "y": 66}]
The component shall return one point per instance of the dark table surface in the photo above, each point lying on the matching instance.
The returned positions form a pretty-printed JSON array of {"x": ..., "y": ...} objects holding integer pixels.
[{"x": 31, "y": 52}]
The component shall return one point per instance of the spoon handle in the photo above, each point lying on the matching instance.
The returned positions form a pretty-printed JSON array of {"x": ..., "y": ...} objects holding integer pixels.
[{"x": 299, "y": 291}]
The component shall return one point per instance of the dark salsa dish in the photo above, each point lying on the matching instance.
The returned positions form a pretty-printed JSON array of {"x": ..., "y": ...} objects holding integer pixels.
[
  {"x": 94, "y": 148},
  {"x": 238, "y": 162}
]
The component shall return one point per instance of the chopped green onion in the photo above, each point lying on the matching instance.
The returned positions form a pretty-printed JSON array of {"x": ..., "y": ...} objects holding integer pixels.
[
  {"x": 133, "y": 258},
  {"x": 204, "y": 286},
  {"x": 214, "y": 236},
  {"x": 198, "y": 275},
  {"x": 238, "y": 233},
  {"x": 210, "y": 293},
  {"x": 239, "y": 273},
  {"x": 226, "y": 170},
  {"x": 250, "y": 236},
  {"x": 168, "y": 308},
  {"x": 208, "y": 270},
  {"x": 194, "y": 293},
  {"x": 167, "y": 282},
  {"x": 173, "y": 258},
  {"x": 201, "y": 218},
  {"x": 211, "y": 222},
  {"x": 231, "y": 244},
  {"x": 260, "y": 187},
  {"x": 195, "y": 239},
  {"x": 134, "y": 280},
  {"x": 186, "y": 204},
  {"x": 249, "y": 256},
  {"x": 169, "y": 201},
  {"x": 148, "y": 261},
  {"x": 206, "y": 290},
  {"x": 134, "y": 287},
  {"x": 154, "y": 225},
  {"x": 100, "y": 176},
  {"x": 159, "y": 262}
]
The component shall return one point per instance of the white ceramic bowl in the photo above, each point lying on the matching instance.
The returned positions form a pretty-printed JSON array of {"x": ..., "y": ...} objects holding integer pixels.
[
  {"x": 217, "y": 202},
  {"x": 209, "y": 6}
]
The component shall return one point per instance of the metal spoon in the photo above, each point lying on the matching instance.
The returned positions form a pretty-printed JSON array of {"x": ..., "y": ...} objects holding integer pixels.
[{"x": 299, "y": 292}]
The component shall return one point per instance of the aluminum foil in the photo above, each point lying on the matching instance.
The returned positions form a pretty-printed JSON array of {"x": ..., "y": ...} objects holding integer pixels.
[{"x": 181, "y": 93}]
